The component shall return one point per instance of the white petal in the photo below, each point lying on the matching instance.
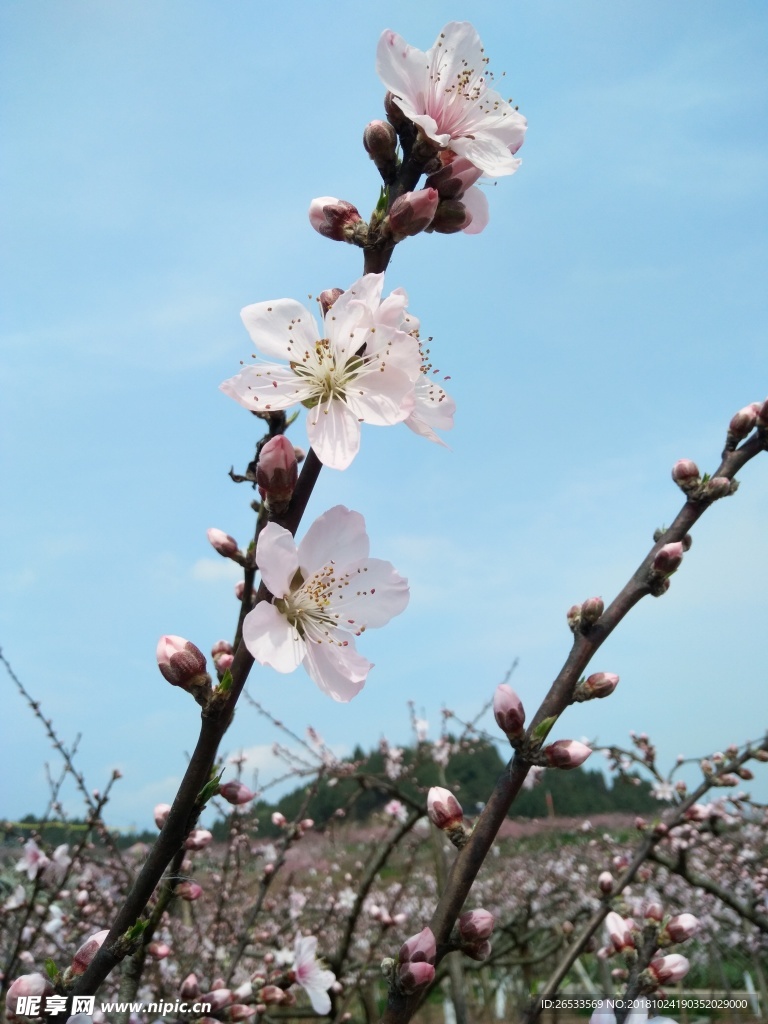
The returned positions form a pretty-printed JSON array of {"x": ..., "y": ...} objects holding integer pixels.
[
  {"x": 281, "y": 329},
  {"x": 381, "y": 397},
  {"x": 266, "y": 386},
  {"x": 404, "y": 71},
  {"x": 476, "y": 203},
  {"x": 369, "y": 595},
  {"x": 338, "y": 671},
  {"x": 488, "y": 153},
  {"x": 392, "y": 312},
  {"x": 337, "y": 536},
  {"x": 334, "y": 433},
  {"x": 277, "y": 558},
  {"x": 272, "y": 640}
]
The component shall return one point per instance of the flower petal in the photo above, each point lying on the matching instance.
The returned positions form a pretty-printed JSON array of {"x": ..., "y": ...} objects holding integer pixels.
[
  {"x": 338, "y": 536},
  {"x": 266, "y": 386},
  {"x": 277, "y": 558},
  {"x": 383, "y": 396},
  {"x": 372, "y": 594},
  {"x": 334, "y": 433},
  {"x": 476, "y": 202},
  {"x": 281, "y": 328},
  {"x": 338, "y": 671},
  {"x": 272, "y": 640}
]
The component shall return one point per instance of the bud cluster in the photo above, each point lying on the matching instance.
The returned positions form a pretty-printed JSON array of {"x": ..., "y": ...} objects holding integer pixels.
[
  {"x": 415, "y": 961},
  {"x": 581, "y": 617},
  {"x": 641, "y": 944}
]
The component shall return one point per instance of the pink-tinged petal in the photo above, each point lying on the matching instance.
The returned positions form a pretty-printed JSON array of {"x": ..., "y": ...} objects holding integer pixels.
[
  {"x": 381, "y": 397},
  {"x": 490, "y": 154},
  {"x": 374, "y": 594},
  {"x": 264, "y": 387},
  {"x": 272, "y": 640},
  {"x": 392, "y": 312},
  {"x": 434, "y": 410},
  {"x": 352, "y": 312},
  {"x": 476, "y": 202},
  {"x": 391, "y": 348},
  {"x": 338, "y": 536},
  {"x": 277, "y": 558},
  {"x": 281, "y": 329},
  {"x": 334, "y": 433},
  {"x": 404, "y": 71},
  {"x": 338, "y": 671}
]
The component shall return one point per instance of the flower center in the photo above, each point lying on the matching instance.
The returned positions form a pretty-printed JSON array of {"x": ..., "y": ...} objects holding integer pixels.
[{"x": 328, "y": 376}]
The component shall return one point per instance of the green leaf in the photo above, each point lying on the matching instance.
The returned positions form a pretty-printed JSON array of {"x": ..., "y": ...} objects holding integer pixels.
[
  {"x": 542, "y": 730},
  {"x": 209, "y": 789},
  {"x": 51, "y": 969},
  {"x": 381, "y": 206},
  {"x": 135, "y": 930},
  {"x": 226, "y": 682}
]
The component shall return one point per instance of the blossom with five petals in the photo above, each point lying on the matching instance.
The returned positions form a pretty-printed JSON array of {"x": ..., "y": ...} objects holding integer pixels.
[
  {"x": 444, "y": 91},
  {"x": 326, "y": 591},
  {"x": 359, "y": 368},
  {"x": 314, "y": 979}
]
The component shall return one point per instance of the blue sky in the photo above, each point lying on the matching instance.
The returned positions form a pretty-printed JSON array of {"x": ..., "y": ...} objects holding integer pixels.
[{"x": 159, "y": 162}]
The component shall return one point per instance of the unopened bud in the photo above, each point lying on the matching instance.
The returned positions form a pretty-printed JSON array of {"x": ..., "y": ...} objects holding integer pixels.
[
  {"x": 605, "y": 881},
  {"x": 669, "y": 968},
  {"x": 591, "y": 611},
  {"x": 198, "y": 839},
  {"x": 654, "y": 912},
  {"x": 240, "y": 1011},
  {"x": 35, "y": 985},
  {"x": 190, "y": 987},
  {"x": 277, "y": 472},
  {"x": 189, "y": 891},
  {"x": 336, "y": 219},
  {"x": 718, "y": 487},
  {"x": 443, "y": 808},
  {"x": 478, "y": 950},
  {"x": 161, "y": 813},
  {"x": 686, "y": 475},
  {"x": 380, "y": 141},
  {"x": 762, "y": 413},
  {"x": 414, "y": 976},
  {"x": 412, "y": 212},
  {"x": 180, "y": 662},
  {"x": 88, "y": 951},
  {"x": 454, "y": 178},
  {"x": 236, "y": 792},
  {"x": 395, "y": 116},
  {"x": 682, "y": 927},
  {"x": 574, "y": 617},
  {"x": 279, "y": 819},
  {"x": 419, "y": 948},
  {"x": 326, "y": 299},
  {"x": 598, "y": 685},
  {"x": 272, "y": 994},
  {"x": 566, "y": 754},
  {"x": 508, "y": 711},
  {"x": 619, "y": 932},
  {"x": 476, "y": 925},
  {"x": 668, "y": 558},
  {"x": 222, "y": 542},
  {"x": 743, "y": 423}
]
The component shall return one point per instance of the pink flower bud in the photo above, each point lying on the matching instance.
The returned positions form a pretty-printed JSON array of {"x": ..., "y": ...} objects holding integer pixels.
[
  {"x": 416, "y": 975},
  {"x": 190, "y": 987},
  {"x": 605, "y": 881},
  {"x": 654, "y": 912},
  {"x": 566, "y": 754},
  {"x": 453, "y": 179},
  {"x": 718, "y": 487},
  {"x": 413, "y": 212},
  {"x": 334, "y": 218},
  {"x": 159, "y": 950},
  {"x": 668, "y": 558},
  {"x": 619, "y": 932},
  {"x": 179, "y": 661},
  {"x": 326, "y": 299},
  {"x": 478, "y": 951},
  {"x": 591, "y": 611},
  {"x": 306, "y": 824},
  {"x": 224, "y": 662},
  {"x": 508, "y": 711},
  {"x": 380, "y": 141},
  {"x": 236, "y": 793},
  {"x": 682, "y": 927},
  {"x": 239, "y": 1011},
  {"x": 222, "y": 647},
  {"x": 161, "y": 813},
  {"x": 277, "y": 472},
  {"x": 762, "y": 413},
  {"x": 88, "y": 951},
  {"x": 476, "y": 925},
  {"x": 189, "y": 891},
  {"x": 272, "y": 994},
  {"x": 278, "y": 819},
  {"x": 218, "y": 998},
  {"x": 743, "y": 423},
  {"x": 443, "y": 808},
  {"x": 198, "y": 839},
  {"x": 669, "y": 968},
  {"x": 35, "y": 985},
  {"x": 573, "y": 616},
  {"x": 601, "y": 684},
  {"x": 395, "y": 116},
  {"x": 222, "y": 542},
  {"x": 419, "y": 948},
  {"x": 686, "y": 475}
]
